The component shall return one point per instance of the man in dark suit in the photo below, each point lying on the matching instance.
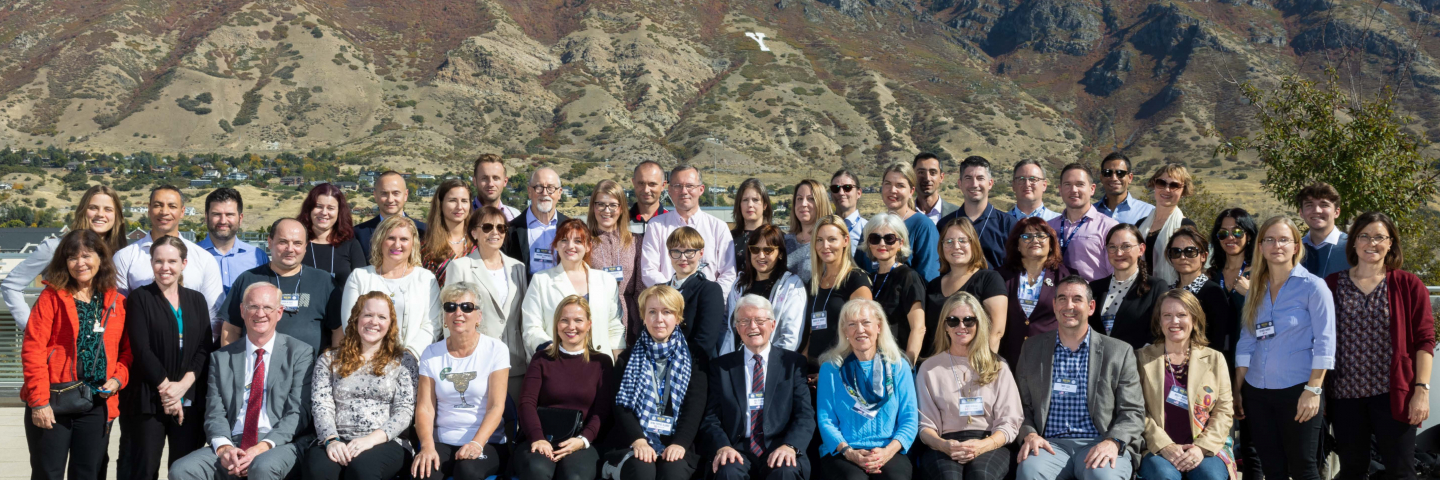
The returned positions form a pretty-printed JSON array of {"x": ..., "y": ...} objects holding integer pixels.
[
  {"x": 257, "y": 406},
  {"x": 1084, "y": 411},
  {"x": 390, "y": 197},
  {"x": 759, "y": 412},
  {"x": 532, "y": 235}
]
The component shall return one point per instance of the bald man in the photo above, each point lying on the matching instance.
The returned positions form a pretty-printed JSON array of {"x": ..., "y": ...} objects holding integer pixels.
[
  {"x": 530, "y": 235},
  {"x": 391, "y": 193},
  {"x": 310, "y": 312}
]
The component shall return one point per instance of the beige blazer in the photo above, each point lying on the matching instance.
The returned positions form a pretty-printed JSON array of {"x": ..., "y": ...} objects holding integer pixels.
[
  {"x": 549, "y": 287},
  {"x": 499, "y": 317},
  {"x": 1212, "y": 409}
]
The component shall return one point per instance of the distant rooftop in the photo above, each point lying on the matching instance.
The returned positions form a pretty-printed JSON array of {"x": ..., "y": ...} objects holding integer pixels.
[{"x": 14, "y": 240}]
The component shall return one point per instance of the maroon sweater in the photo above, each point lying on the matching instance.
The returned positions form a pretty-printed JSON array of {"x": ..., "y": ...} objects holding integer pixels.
[
  {"x": 1412, "y": 329},
  {"x": 567, "y": 382}
]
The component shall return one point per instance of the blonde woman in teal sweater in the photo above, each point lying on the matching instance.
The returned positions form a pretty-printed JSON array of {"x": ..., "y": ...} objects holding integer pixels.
[{"x": 866, "y": 400}]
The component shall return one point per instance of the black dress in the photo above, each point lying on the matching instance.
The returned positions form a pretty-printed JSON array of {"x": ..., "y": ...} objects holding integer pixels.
[
  {"x": 897, "y": 291},
  {"x": 830, "y": 301},
  {"x": 337, "y": 260},
  {"x": 984, "y": 284}
]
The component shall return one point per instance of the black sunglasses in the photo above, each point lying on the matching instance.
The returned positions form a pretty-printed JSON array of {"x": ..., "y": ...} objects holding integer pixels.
[
  {"x": 1226, "y": 234},
  {"x": 838, "y": 188},
  {"x": 1187, "y": 252},
  {"x": 500, "y": 227},
  {"x": 766, "y": 249},
  {"x": 1172, "y": 185},
  {"x": 954, "y": 321},
  {"x": 888, "y": 238},
  {"x": 1114, "y": 173},
  {"x": 466, "y": 307}
]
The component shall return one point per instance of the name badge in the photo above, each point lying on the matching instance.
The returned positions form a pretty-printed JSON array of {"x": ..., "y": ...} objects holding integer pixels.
[
  {"x": 617, "y": 272},
  {"x": 1027, "y": 302},
  {"x": 818, "y": 320},
  {"x": 1265, "y": 330},
  {"x": 863, "y": 412},
  {"x": 1067, "y": 386},
  {"x": 290, "y": 301},
  {"x": 1178, "y": 397},
  {"x": 972, "y": 406},
  {"x": 756, "y": 401},
  {"x": 661, "y": 424},
  {"x": 543, "y": 255},
  {"x": 1109, "y": 322},
  {"x": 99, "y": 328}
]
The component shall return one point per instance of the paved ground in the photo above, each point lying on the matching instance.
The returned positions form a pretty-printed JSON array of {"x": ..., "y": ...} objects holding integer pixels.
[{"x": 15, "y": 456}]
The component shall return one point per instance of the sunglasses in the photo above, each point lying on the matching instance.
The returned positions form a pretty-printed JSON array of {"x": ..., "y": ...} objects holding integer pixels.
[
  {"x": 765, "y": 250},
  {"x": 497, "y": 227},
  {"x": 847, "y": 188},
  {"x": 1187, "y": 252},
  {"x": 1171, "y": 185},
  {"x": 1114, "y": 173},
  {"x": 953, "y": 321},
  {"x": 466, "y": 307},
  {"x": 1226, "y": 234},
  {"x": 889, "y": 238}
]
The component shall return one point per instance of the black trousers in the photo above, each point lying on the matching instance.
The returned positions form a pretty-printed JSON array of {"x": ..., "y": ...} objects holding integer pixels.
[
  {"x": 381, "y": 462},
  {"x": 753, "y": 468},
  {"x": 1285, "y": 446},
  {"x": 143, "y": 437},
  {"x": 991, "y": 465},
  {"x": 579, "y": 465},
  {"x": 1354, "y": 421},
  {"x": 836, "y": 467},
  {"x": 81, "y": 439},
  {"x": 634, "y": 469},
  {"x": 1249, "y": 460},
  {"x": 471, "y": 469}
]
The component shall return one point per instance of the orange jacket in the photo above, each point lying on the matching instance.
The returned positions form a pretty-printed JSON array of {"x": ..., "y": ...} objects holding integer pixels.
[{"x": 48, "y": 355}]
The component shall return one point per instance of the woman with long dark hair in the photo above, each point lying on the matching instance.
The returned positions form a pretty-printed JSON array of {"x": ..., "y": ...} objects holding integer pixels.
[
  {"x": 1234, "y": 236},
  {"x": 328, "y": 222},
  {"x": 764, "y": 274},
  {"x": 752, "y": 209},
  {"x": 100, "y": 210},
  {"x": 1125, "y": 299},
  {"x": 446, "y": 240}
]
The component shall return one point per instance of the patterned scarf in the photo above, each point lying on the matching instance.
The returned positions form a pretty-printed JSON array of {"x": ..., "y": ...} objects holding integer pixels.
[
  {"x": 91, "y": 344},
  {"x": 881, "y": 386},
  {"x": 1195, "y": 285},
  {"x": 638, "y": 389}
]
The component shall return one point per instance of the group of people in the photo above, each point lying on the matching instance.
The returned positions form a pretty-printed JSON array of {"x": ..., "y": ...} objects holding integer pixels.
[{"x": 646, "y": 341}]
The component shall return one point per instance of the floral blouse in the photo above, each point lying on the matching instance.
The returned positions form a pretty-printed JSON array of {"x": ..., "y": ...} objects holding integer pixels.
[{"x": 353, "y": 406}]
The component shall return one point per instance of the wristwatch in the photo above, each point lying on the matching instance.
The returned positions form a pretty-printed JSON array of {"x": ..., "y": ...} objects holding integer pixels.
[
  {"x": 1425, "y": 386},
  {"x": 1315, "y": 390},
  {"x": 1118, "y": 442}
]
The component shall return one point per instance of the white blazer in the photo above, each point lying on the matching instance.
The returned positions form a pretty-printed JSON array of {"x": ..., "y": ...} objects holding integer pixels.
[
  {"x": 549, "y": 287},
  {"x": 419, "y": 320},
  {"x": 499, "y": 317},
  {"x": 787, "y": 299}
]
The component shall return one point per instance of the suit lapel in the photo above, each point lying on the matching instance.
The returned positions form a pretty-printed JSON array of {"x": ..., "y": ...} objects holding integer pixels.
[
  {"x": 237, "y": 365},
  {"x": 273, "y": 370},
  {"x": 1092, "y": 373},
  {"x": 742, "y": 391}
]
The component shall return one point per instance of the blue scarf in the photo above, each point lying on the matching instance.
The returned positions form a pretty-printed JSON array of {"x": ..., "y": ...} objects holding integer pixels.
[
  {"x": 869, "y": 393},
  {"x": 638, "y": 390}
]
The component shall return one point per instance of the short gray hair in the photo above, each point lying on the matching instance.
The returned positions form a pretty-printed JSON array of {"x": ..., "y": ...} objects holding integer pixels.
[
  {"x": 457, "y": 290},
  {"x": 893, "y": 221},
  {"x": 752, "y": 300},
  {"x": 252, "y": 286}
]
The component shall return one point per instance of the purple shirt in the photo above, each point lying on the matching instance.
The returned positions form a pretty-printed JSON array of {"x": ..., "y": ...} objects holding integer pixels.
[{"x": 1082, "y": 244}]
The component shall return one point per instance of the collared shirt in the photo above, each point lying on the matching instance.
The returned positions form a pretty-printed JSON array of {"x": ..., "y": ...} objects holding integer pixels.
[
  {"x": 1082, "y": 244},
  {"x": 542, "y": 237},
  {"x": 1114, "y": 296},
  {"x": 676, "y": 282},
  {"x": 1069, "y": 415},
  {"x": 241, "y": 257},
  {"x": 993, "y": 226},
  {"x": 1042, "y": 212},
  {"x": 856, "y": 224},
  {"x": 717, "y": 260},
  {"x": 1131, "y": 210},
  {"x": 1332, "y": 239},
  {"x": 509, "y": 211},
  {"x": 934, "y": 212},
  {"x": 202, "y": 274},
  {"x": 750, "y": 379},
  {"x": 262, "y": 425},
  {"x": 1328, "y": 256},
  {"x": 1303, "y": 316}
]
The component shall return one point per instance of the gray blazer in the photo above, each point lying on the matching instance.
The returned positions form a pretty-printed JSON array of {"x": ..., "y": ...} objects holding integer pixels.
[
  {"x": 499, "y": 317},
  {"x": 1115, "y": 400},
  {"x": 287, "y": 396},
  {"x": 946, "y": 208}
]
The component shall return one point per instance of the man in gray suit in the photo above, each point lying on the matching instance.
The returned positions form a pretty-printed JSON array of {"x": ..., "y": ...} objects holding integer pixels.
[
  {"x": 257, "y": 412},
  {"x": 1084, "y": 411}
]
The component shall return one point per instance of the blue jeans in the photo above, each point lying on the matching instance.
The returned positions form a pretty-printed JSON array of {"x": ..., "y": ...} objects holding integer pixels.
[{"x": 1155, "y": 467}]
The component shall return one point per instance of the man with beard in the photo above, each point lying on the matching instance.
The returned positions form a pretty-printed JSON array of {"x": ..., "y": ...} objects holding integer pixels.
[
  {"x": 391, "y": 193},
  {"x": 224, "y": 211},
  {"x": 649, "y": 183},
  {"x": 992, "y": 225},
  {"x": 132, "y": 263},
  {"x": 490, "y": 181},
  {"x": 929, "y": 179},
  {"x": 531, "y": 235},
  {"x": 304, "y": 291}
]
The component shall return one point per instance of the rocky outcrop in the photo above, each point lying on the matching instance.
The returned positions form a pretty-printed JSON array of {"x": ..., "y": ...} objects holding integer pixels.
[
  {"x": 1065, "y": 26},
  {"x": 1108, "y": 74}
]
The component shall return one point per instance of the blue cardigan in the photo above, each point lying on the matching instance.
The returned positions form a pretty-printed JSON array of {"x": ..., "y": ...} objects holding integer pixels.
[
  {"x": 924, "y": 241},
  {"x": 1326, "y": 258},
  {"x": 898, "y": 419}
]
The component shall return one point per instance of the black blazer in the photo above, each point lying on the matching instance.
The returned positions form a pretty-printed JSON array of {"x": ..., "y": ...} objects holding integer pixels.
[
  {"x": 705, "y": 322},
  {"x": 1222, "y": 324},
  {"x": 1042, "y": 318},
  {"x": 1132, "y": 321},
  {"x": 154, "y": 342},
  {"x": 789, "y": 416},
  {"x": 366, "y": 230},
  {"x": 517, "y": 239},
  {"x": 627, "y": 428}
]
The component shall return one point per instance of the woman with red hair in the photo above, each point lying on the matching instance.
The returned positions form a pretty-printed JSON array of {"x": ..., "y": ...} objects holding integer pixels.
[{"x": 573, "y": 276}]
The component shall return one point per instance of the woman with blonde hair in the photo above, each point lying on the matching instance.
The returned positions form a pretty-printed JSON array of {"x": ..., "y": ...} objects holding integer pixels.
[
  {"x": 568, "y": 381},
  {"x": 897, "y": 191},
  {"x": 616, "y": 248},
  {"x": 363, "y": 398},
  {"x": 1287, "y": 343},
  {"x": 1188, "y": 406},
  {"x": 969, "y": 405},
  {"x": 808, "y": 205},
  {"x": 898, "y": 288},
  {"x": 1170, "y": 183},
  {"x": 446, "y": 239},
  {"x": 963, "y": 269},
  {"x": 865, "y": 400},
  {"x": 837, "y": 281},
  {"x": 396, "y": 271},
  {"x": 100, "y": 210}
]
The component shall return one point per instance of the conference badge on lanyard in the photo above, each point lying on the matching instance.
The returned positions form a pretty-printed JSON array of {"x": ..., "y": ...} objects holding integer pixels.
[
  {"x": 1178, "y": 397},
  {"x": 661, "y": 424}
]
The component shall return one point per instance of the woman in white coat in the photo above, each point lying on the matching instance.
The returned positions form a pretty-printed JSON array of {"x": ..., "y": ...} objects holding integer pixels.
[
  {"x": 765, "y": 274},
  {"x": 573, "y": 276},
  {"x": 502, "y": 286},
  {"x": 395, "y": 270},
  {"x": 101, "y": 210}
]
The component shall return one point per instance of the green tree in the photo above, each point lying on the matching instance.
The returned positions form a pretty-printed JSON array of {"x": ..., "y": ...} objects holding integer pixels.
[{"x": 1312, "y": 131}]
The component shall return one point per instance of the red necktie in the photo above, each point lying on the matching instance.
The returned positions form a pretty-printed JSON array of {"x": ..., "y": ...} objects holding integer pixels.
[
  {"x": 757, "y": 385},
  {"x": 252, "y": 404}
]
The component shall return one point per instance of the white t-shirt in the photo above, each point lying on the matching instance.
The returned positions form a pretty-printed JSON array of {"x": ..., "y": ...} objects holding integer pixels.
[
  {"x": 457, "y": 415},
  {"x": 501, "y": 280}
]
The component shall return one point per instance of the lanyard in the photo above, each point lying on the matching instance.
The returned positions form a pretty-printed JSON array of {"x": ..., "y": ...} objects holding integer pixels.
[
  {"x": 296, "y": 293},
  {"x": 316, "y": 262},
  {"x": 179, "y": 323},
  {"x": 959, "y": 382},
  {"x": 815, "y": 308},
  {"x": 1066, "y": 239},
  {"x": 882, "y": 283}
]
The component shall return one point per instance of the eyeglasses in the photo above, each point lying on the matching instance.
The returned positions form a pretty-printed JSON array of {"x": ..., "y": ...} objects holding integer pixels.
[
  {"x": 1375, "y": 240},
  {"x": 1034, "y": 237},
  {"x": 1187, "y": 252},
  {"x": 1171, "y": 185},
  {"x": 1122, "y": 248},
  {"x": 601, "y": 207},
  {"x": 545, "y": 189},
  {"x": 1114, "y": 173},
  {"x": 1029, "y": 180},
  {"x": 1226, "y": 234},
  {"x": 684, "y": 187},
  {"x": 687, "y": 254},
  {"x": 889, "y": 238},
  {"x": 767, "y": 250},
  {"x": 954, "y": 321},
  {"x": 955, "y": 242},
  {"x": 466, "y": 307},
  {"x": 1282, "y": 241},
  {"x": 847, "y": 188},
  {"x": 268, "y": 310},
  {"x": 759, "y": 321},
  {"x": 497, "y": 227}
]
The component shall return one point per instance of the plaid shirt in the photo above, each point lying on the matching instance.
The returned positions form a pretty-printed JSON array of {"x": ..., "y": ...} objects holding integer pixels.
[{"x": 1069, "y": 416}]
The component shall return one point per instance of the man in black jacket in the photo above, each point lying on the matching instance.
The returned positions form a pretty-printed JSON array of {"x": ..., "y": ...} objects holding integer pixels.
[
  {"x": 759, "y": 412},
  {"x": 532, "y": 234},
  {"x": 390, "y": 197}
]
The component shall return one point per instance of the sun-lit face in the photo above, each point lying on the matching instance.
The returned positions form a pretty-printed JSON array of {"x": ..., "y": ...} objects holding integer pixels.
[
  {"x": 83, "y": 266},
  {"x": 374, "y": 321},
  {"x": 896, "y": 191},
  {"x": 1319, "y": 214},
  {"x": 456, "y": 205},
  {"x": 928, "y": 176},
  {"x": 961, "y": 334},
  {"x": 882, "y": 251},
  {"x": 287, "y": 244},
  {"x": 458, "y": 320},
  {"x": 975, "y": 183},
  {"x": 1167, "y": 194},
  {"x": 167, "y": 265},
  {"x": 805, "y": 206},
  {"x": 101, "y": 213},
  {"x": 397, "y": 246},
  {"x": 166, "y": 209},
  {"x": 607, "y": 211},
  {"x": 686, "y": 189},
  {"x": 573, "y": 247},
  {"x": 1029, "y": 183},
  {"x": 325, "y": 213},
  {"x": 957, "y": 248},
  {"x": 660, "y": 320},
  {"x": 391, "y": 193},
  {"x": 849, "y": 195},
  {"x": 1116, "y": 184},
  {"x": 261, "y": 310},
  {"x": 1179, "y": 254},
  {"x": 573, "y": 325},
  {"x": 490, "y": 181},
  {"x": 755, "y": 325},
  {"x": 1373, "y": 243},
  {"x": 1175, "y": 321},
  {"x": 1037, "y": 246},
  {"x": 1076, "y": 189},
  {"x": 493, "y": 239},
  {"x": 1124, "y": 250},
  {"x": 222, "y": 219},
  {"x": 1232, "y": 244},
  {"x": 830, "y": 243},
  {"x": 1277, "y": 244},
  {"x": 862, "y": 330},
  {"x": 752, "y": 207},
  {"x": 764, "y": 259},
  {"x": 1072, "y": 308},
  {"x": 649, "y": 183}
]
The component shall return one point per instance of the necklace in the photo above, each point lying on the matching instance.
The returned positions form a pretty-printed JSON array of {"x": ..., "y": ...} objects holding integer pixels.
[
  {"x": 1184, "y": 361},
  {"x": 966, "y": 390}
]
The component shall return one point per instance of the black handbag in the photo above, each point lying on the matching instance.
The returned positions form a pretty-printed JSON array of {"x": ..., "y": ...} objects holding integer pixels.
[
  {"x": 75, "y": 397},
  {"x": 559, "y": 424}
]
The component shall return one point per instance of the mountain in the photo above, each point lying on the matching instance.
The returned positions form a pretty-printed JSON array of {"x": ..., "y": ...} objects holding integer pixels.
[{"x": 838, "y": 82}]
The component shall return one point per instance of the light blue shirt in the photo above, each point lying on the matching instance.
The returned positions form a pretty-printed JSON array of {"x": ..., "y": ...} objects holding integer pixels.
[
  {"x": 1131, "y": 210},
  {"x": 241, "y": 257},
  {"x": 898, "y": 419},
  {"x": 1042, "y": 212},
  {"x": 856, "y": 224},
  {"x": 542, "y": 237},
  {"x": 1303, "y": 315}
]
